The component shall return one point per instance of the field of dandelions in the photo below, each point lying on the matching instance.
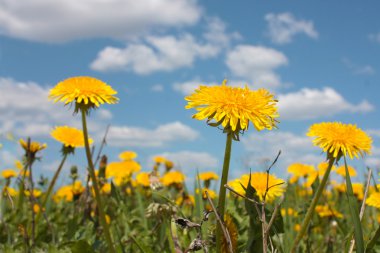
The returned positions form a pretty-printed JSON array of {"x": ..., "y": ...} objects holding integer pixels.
[{"x": 122, "y": 208}]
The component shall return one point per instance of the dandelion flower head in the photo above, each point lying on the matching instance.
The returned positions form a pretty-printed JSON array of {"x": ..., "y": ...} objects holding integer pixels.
[
  {"x": 69, "y": 136},
  {"x": 234, "y": 107},
  {"x": 338, "y": 139},
  {"x": 83, "y": 90}
]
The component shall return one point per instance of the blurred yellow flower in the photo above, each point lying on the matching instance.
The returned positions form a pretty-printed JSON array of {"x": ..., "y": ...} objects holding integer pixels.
[
  {"x": 18, "y": 165},
  {"x": 122, "y": 169},
  {"x": 327, "y": 211},
  {"x": 69, "y": 136},
  {"x": 83, "y": 90},
  {"x": 36, "y": 193},
  {"x": 143, "y": 179},
  {"x": 68, "y": 192},
  {"x": 9, "y": 190},
  {"x": 34, "y": 146},
  {"x": 234, "y": 107},
  {"x": 357, "y": 188},
  {"x": 339, "y": 139},
  {"x": 169, "y": 164},
  {"x": 127, "y": 155},
  {"x": 37, "y": 208},
  {"x": 374, "y": 200},
  {"x": 322, "y": 167},
  {"x": 342, "y": 171},
  {"x": 211, "y": 193},
  {"x": 159, "y": 159},
  {"x": 106, "y": 188},
  {"x": 259, "y": 182},
  {"x": 173, "y": 177},
  {"x": 8, "y": 173},
  {"x": 185, "y": 200},
  {"x": 288, "y": 212},
  {"x": 301, "y": 170},
  {"x": 208, "y": 176}
]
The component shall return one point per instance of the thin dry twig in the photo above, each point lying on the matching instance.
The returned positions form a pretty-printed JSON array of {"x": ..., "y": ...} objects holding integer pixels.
[
  {"x": 104, "y": 142},
  {"x": 225, "y": 231},
  {"x": 362, "y": 207}
]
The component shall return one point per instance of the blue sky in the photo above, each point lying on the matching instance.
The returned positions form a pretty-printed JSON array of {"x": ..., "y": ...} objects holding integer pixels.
[{"x": 319, "y": 58}]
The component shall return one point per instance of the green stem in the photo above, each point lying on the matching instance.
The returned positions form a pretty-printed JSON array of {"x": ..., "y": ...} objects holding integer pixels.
[
  {"x": 91, "y": 171},
  {"x": 313, "y": 204},
  {"x": 373, "y": 241},
  {"x": 222, "y": 191},
  {"x": 51, "y": 186}
]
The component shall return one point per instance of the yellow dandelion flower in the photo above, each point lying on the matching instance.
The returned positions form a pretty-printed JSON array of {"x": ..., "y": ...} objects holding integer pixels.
[
  {"x": 204, "y": 176},
  {"x": 259, "y": 182},
  {"x": 234, "y": 107},
  {"x": 108, "y": 219},
  {"x": 341, "y": 170},
  {"x": 127, "y": 155},
  {"x": 106, "y": 189},
  {"x": 288, "y": 212},
  {"x": 18, "y": 165},
  {"x": 185, "y": 200},
  {"x": 169, "y": 165},
  {"x": 339, "y": 139},
  {"x": 301, "y": 170},
  {"x": 36, "y": 193},
  {"x": 8, "y": 173},
  {"x": 34, "y": 146},
  {"x": 322, "y": 167},
  {"x": 374, "y": 200},
  {"x": 357, "y": 188},
  {"x": 122, "y": 169},
  {"x": 143, "y": 179},
  {"x": 327, "y": 211},
  {"x": 159, "y": 159},
  {"x": 211, "y": 193},
  {"x": 69, "y": 136},
  {"x": 297, "y": 227},
  {"x": 83, "y": 90},
  {"x": 10, "y": 191},
  {"x": 173, "y": 177}
]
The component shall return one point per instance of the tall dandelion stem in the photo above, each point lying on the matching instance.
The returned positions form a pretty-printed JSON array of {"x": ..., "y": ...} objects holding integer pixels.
[
  {"x": 222, "y": 190},
  {"x": 95, "y": 185},
  {"x": 312, "y": 206}
]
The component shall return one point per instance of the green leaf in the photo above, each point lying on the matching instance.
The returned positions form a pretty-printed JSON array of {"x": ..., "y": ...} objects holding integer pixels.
[
  {"x": 80, "y": 246},
  {"x": 354, "y": 212}
]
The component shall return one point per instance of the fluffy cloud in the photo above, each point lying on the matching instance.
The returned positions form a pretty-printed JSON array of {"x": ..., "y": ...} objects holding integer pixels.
[
  {"x": 190, "y": 160},
  {"x": 124, "y": 136},
  {"x": 163, "y": 53},
  {"x": 358, "y": 69},
  {"x": 284, "y": 26},
  {"x": 159, "y": 54},
  {"x": 26, "y": 111},
  {"x": 375, "y": 37},
  {"x": 263, "y": 148},
  {"x": 313, "y": 103},
  {"x": 65, "y": 20},
  {"x": 257, "y": 64}
]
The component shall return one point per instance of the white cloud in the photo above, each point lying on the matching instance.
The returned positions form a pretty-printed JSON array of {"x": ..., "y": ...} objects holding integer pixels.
[
  {"x": 358, "y": 69},
  {"x": 65, "y": 20},
  {"x": 375, "y": 37},
  {"x": 157, "y": 88},
  {"x": 125, "y": 136},
  {"x": 163, "y": 53},
  {"x": 314, "y": 103},
  {"x": 257, "y": 64},
  {"x": 26, "y": 111},
  {"x": 294, "y": 148},
  {"x": 284, "y": 26},
  {"x": 190, "y": 160}
]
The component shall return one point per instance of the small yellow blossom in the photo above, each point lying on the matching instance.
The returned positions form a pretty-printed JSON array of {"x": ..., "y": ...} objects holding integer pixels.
[
  {"x": 143, "y": 179},
  {"x": 127, "y": 155},
  {"x": 8, "y": 173},
  {"x": 327, "y": 211},
  {"x": 69, "y": 136},
  {"x": 342, "y": 171},
  {"x": 210, "y": 175},
  {"x": 173, "y": 177},
  {"x": 34, "y": 146},
  {"x": 374, "y": 200}
]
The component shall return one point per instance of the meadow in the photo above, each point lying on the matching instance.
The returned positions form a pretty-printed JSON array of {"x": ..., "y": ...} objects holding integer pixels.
[{"x": 123, "y": 208}]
